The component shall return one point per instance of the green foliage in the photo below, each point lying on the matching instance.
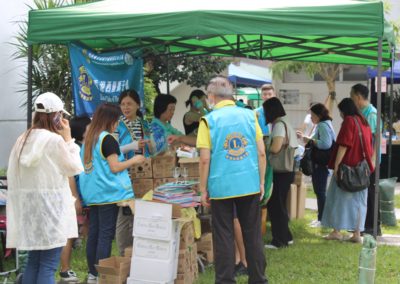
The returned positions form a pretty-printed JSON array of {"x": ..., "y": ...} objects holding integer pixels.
[
  {"x": 325, "y": 70},
  {"x": 3, "y": 171},
  {"x": 150, "y": 93},
  {"x": 195, "y": 70}
]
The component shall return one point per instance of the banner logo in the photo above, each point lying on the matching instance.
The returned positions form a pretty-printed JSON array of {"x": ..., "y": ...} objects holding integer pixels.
[
  {"x": 85, "y": 82},
  {"x": 235, "y": 144}
]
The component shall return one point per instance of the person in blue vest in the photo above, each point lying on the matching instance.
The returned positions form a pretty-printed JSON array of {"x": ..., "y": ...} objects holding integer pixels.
[
  {"x": 162, "y": 131},
  {"x": 267, "y": 92},
  {"x": 104, "y": 183},
  {"x": 130, "y": 134},
  {"x": 232, "y": 170},
  {"x": 359, "y": 95}
]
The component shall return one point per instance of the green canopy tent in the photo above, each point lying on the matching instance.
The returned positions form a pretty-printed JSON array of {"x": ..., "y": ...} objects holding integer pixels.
[{"x": 333, "y": 31}]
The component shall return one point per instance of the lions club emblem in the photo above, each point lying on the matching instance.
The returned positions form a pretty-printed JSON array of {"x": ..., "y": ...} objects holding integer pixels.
[
  {"x": 84, "y": 84},
  {"x": 235, "y": 145}
]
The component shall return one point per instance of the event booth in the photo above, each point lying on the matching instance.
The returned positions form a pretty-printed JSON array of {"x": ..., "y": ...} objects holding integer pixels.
[{"x": 332, "y": 31}]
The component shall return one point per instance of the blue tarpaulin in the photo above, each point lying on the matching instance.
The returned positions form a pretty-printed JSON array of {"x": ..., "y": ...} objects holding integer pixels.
[
  {"x": 372, "y": 73},
  {"x": 238, "y": 76}
]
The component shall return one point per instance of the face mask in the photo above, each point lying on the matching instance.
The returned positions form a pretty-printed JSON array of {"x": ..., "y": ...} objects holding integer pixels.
[{"x": 198, "y": 104}]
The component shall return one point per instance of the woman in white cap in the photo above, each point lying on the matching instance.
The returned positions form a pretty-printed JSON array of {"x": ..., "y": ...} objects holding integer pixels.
[{"x": 41, "y": 215}]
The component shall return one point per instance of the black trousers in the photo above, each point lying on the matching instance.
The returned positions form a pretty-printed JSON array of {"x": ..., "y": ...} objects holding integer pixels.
[
  {"x": 277, "y": 210},
  {"x": 249, "y": 215},
  {"x": 369, "y": 220}
]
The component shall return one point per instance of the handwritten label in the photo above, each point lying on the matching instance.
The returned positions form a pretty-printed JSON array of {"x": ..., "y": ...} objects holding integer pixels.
[
  {"x": 152, "y": 228},
  {"x": 161, "y": 250}
]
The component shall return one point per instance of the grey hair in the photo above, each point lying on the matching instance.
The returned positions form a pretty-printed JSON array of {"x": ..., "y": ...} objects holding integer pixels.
[{"x": 220, "y": 86}]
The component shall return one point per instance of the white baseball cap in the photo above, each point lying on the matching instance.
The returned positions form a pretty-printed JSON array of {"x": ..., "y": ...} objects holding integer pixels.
[{"x": 48, "y": 103}]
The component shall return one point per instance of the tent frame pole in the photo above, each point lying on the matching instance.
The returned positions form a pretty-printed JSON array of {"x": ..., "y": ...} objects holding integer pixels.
[
  {"x": 391, "y": 114},
  {"x": 29, "y": 90},
  {"x": 378, "y": 137},
  {"x": 168, "y": 70}
]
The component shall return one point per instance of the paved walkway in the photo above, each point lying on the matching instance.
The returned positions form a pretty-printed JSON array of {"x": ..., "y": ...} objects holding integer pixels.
[{"x": 394, "y": 240}]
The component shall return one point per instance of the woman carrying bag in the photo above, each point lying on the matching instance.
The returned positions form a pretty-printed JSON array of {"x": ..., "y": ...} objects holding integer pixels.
[
  {"x": 321, "y": 143},
  {"x": 281, "y": 159},
  {"x": 345, "y": 210}
]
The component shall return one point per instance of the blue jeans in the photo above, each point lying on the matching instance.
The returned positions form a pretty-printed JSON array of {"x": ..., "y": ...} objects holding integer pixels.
[
  {"x": 42, "y": 266},
  {"x": 102, "y": 222},
  {"x": 319, "y": 181}
]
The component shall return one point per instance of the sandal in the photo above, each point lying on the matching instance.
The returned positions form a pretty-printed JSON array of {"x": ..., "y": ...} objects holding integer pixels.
[
  {"x": 333, "y": 237},
  {"x": 356, "y": 240}
]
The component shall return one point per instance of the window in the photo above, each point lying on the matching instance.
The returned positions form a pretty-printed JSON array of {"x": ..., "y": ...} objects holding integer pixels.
[{"x": 355, "y": 73}]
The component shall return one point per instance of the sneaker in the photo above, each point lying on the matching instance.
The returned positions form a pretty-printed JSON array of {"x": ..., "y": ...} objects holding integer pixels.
[
  {"x": 91, "y": 279},
  {"x": 270, "y": 246},
  {"x": 290, "y": 242},
  {"x": 240, "y": 269},
  {"x": 316, "y": 224},
  {"x": 68, "y": 276}
]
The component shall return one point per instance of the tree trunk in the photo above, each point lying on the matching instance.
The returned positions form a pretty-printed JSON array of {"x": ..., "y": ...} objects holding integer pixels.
[{"x": 331, "y": 95}]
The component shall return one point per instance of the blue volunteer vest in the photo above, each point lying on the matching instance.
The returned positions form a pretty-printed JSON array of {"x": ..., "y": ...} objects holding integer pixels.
[
  {"x": 124, "y": 137},
  {"x": 98, "y": 184},
  {"x": 261, "y": 120},
  {"x": 234, "y": 156}
]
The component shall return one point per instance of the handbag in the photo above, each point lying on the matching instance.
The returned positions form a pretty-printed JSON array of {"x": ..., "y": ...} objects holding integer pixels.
[
  {"x": 321, "y": 156},
  {"x": 306, "y": 162},
  {"x": 354, "y": 179},
  {"x": 283, "y": 161}
]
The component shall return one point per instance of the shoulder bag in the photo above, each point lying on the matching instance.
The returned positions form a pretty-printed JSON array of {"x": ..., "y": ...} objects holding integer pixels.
[
  {"x": 354, "y": 179},
  {"x": 321, "y": 156},
  {"x": 283, "y": 161},
  {"x": 306, "y": 162}
]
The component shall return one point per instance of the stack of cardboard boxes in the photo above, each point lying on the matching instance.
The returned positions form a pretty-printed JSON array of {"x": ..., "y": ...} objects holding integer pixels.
[
  {"x": 297, "y": 197},
  {"x": 158, "y": 170},
  {"x": 187, "y": 259},
  {"x": 142, "y": 178},
  {"x": 155, "y": 245}
]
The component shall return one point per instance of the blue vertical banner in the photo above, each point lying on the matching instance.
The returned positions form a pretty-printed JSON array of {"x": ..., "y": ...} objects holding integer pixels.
[{"x": 101, "y": 77}]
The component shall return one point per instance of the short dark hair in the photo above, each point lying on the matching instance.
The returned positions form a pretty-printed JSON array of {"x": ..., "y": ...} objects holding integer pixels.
[
  {"x": 161, "y": 103},
  {"x": 273, "y": 109},
  {"x": 196, "y": 93},
  {"x": 361, "y": 90},
  {"x": 348, "y": 107},
  {"x": 321, "y": 111},
  {"x": 134, "y": 96},
  {"x": 78, "y": 126}
]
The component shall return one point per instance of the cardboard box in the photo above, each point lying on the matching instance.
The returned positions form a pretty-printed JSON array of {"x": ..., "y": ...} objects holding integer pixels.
[
  {"x": 132, "y": 280},
  {"x": 301, "y": 200},
  {"x": 163, "y": 166},
  {"x": 187, "y": 235},
  {"x": 113, "y": 270},
  {"x": 142, "y": 186},
  {"x": 128, "y": 252},
  {"x": 192, "y": 164},
  {"x": 184, "y": 260},
  {"x": 205, "y": 243},
  {"x": 143, "y": 170},
  {"x": 298, "y": 178},
  {"x": 155, "y": 260},
  {"x": 291, "y": 202},
  {"x": 184, "y": 278},
  {"x": 153, "y": 220}
]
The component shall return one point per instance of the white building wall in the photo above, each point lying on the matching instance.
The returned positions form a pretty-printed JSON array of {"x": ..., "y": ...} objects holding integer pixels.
[{"x": 12, "y": 116}]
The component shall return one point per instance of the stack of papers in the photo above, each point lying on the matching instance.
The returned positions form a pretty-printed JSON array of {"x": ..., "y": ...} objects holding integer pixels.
[{"x": 177, "y": 193}]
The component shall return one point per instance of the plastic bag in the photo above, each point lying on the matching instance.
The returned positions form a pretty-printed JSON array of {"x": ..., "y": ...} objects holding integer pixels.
[{"x": 386, "y": 199}]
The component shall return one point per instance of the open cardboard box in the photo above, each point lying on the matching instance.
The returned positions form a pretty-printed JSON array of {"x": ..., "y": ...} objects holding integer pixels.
[{"x": 113, "y": 270}]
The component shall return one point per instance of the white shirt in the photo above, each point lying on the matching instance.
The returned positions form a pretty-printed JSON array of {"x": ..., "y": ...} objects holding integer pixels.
[
  {"x": 40, "y": 207},
  {"x": 309, "y": 126}
]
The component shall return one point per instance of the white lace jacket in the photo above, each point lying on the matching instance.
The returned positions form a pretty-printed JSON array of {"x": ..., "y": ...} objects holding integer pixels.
[{"x": 40, "y": 207}]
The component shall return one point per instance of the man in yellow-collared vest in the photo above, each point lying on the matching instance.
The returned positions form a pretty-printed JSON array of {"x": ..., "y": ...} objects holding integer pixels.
[{"x": 232, "y": 169}]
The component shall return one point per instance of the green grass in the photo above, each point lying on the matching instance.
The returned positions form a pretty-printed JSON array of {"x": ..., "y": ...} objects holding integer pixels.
[
  {"x": 314, "y": 260},
  {"x": 310, "y": 260}
]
